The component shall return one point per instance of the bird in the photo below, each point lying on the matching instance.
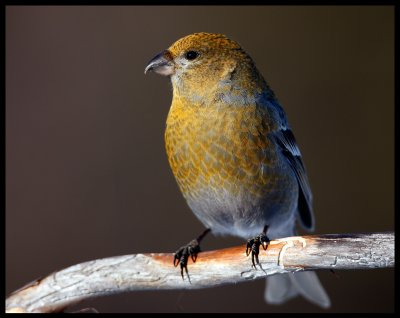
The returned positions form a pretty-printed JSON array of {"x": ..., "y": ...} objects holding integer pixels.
[{"x": 234, "y": 155}]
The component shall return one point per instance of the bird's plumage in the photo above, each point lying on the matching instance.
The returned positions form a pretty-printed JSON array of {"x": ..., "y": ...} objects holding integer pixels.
[{"x": 229, "y": 143}]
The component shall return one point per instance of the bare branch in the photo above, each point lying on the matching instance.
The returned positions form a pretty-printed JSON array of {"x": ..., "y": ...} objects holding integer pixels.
[{"x": 226, "y": 266}]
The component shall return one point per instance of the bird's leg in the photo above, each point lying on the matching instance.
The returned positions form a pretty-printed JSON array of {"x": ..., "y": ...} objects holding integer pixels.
[
  {"x": 191, "y": 249},
  {"x": 253, "y": 245}
]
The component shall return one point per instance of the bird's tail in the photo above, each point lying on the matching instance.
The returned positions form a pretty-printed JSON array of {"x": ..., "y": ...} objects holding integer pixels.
[{"x": 283, "y": 287}]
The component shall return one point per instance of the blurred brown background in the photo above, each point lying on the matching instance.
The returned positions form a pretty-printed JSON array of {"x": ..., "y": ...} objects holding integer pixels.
[{"x": 86, "y": 171}]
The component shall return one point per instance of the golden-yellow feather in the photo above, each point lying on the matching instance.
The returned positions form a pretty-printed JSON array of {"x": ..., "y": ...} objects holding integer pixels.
[{"x": 213, "y": 143}]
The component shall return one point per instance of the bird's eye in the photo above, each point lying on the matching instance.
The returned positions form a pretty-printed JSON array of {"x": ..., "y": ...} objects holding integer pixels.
[{"x": 191, "y": 55}]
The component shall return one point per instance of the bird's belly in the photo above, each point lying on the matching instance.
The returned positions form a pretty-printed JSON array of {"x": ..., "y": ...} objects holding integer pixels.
[
  {"x": 236, "y": 209},
  {"x": 231, "y": 177}
]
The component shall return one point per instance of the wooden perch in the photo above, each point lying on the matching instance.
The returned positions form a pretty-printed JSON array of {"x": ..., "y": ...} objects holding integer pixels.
[{"x": 155, "y": 271}]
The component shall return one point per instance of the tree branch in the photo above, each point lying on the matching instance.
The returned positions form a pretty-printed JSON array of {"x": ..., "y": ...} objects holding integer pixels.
[{"x": 155, "y": 271}]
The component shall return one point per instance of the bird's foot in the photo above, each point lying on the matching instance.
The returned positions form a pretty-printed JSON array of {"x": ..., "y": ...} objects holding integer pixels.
[
  {"x": 189, "y": 250},
  {"x": 288, "y": 243},
  {"x": 253, "y": 246}
]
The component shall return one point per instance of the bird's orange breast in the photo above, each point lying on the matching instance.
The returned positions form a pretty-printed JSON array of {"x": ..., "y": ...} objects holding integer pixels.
[{"x": 220, "y": 147}]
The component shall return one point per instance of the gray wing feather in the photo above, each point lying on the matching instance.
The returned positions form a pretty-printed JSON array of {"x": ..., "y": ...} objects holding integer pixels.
[{"x": 286, "y": 142}]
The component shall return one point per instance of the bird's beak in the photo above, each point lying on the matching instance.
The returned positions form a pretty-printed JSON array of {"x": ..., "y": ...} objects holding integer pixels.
[{"x": 161, "y": 64}]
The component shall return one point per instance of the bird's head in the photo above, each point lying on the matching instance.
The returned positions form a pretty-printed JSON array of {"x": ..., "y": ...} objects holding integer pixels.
[{"x": 209, "y": 65}]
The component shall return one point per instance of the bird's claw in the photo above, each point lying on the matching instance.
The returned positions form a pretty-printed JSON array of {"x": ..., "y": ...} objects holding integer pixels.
[
  {"x": 182, "y": 255},
  {"x": 253, "y": 246}
]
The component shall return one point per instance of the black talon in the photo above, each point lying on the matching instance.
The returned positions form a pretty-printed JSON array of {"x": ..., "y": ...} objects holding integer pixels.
[
  {"x": 192, "y": 249},
  {"x": 253, "y": 246}
]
